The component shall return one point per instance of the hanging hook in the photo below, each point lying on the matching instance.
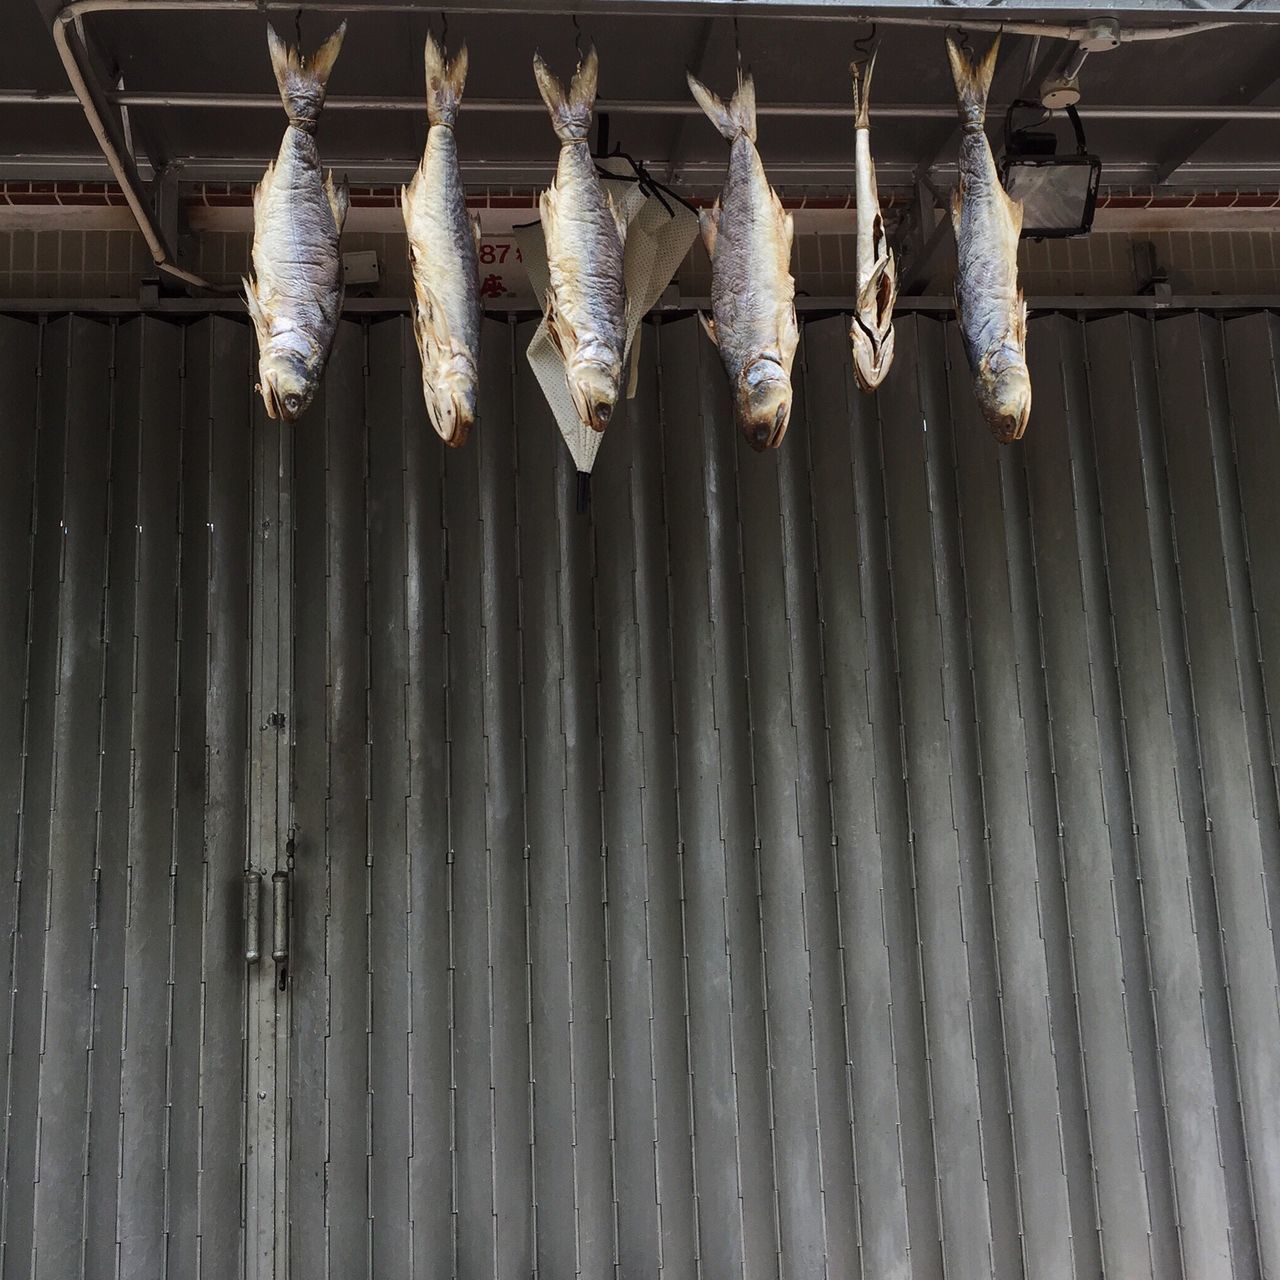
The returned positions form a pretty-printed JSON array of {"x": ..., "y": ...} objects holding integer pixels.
[
  {"x": 444, "y": 28},
  {"x": 737, "y": 46},
  {"x": 577, "y": 37},
  {"x": 864, "y": 46},
  {"x": 965, "y": 46},
  {"x": 297, "y": 26}
]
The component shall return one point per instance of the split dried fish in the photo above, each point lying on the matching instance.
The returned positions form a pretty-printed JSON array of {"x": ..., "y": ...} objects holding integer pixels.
[
  {"x": 444, "y": 248},
  {"x": 584, "y": 231},
  {"x": 877, "y": 276},
  {"x": 748, "y": 237},
  {"x": 295, "y": 298},
  {"x": 989, "y": 304}
]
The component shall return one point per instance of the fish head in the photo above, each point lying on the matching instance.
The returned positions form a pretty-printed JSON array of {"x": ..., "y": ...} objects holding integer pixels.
[
  {"x": 1004, "y": 394},
  {"x": 763, "y": 402},
  {"x": 287, "y": 380},
  {"x": 451, "y": 396},
  {"x": 593, "y": 383},
  {"x": 872, "y": 355}
]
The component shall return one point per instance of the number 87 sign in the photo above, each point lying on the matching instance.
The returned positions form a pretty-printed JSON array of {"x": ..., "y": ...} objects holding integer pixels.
[{"x": 502, "y": 273}]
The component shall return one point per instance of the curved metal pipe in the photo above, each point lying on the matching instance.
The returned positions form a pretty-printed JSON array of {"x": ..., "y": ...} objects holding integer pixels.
[{"x": 121, "y": 165}]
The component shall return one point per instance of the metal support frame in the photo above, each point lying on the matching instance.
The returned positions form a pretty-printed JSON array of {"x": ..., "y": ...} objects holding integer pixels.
[
  {"x": 930, "y": 234},
  {"x": 106, "y": 126},
  {"x": 1261, "y": 76}
]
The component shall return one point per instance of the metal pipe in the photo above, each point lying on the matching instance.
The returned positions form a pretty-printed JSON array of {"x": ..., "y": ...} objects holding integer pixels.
[
  {"x": 279, "y": 916},
  {"x": 121, "y": 164},
  {"x": 817, "y": 11},
  {"x": 1073, "y": 68},
  {"x": 530, "y": 106},
  {"x": 252, "y": 916}
]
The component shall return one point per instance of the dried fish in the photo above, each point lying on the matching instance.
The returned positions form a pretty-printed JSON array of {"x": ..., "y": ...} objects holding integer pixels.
[
  {"x": 989, "y": 304},
  {"x": 584, "y": 231},
  {"x": 444, "y": 245},
  {"x": 748, "y": 237},
  {"x": 877, "y": 277},
  {"x": 295, "y": 298}
]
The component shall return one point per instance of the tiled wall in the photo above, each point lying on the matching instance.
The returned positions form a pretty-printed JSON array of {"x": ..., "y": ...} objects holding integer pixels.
[{"x": 103, "y": 264}]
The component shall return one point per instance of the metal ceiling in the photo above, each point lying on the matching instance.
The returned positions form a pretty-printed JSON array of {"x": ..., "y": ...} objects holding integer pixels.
[
  {"x": 185, "y": 90},
  {"x": 152, "y": 55}
]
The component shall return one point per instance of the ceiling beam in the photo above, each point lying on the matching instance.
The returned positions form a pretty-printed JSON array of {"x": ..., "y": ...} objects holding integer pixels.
[
  {"x": 697, "y": 64},
  {"x": 1260, "y": 76}
]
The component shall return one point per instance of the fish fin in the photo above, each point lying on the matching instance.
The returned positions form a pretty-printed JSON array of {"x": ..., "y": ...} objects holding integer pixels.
[
  {"x": 633, "y": 371},
  {"x": 445, "y": 81},
  {"x": 1016, "y": 210},
  {"x": 1020, "y": 321},
  {"x": 735, "y": 120},
  {"x": 261, "y": 324},
  {"x": 339, "y": 199},
  {"x": 474, "y": 219},
  {"x": 710, "y": 327},
  {"x": 862, "y": 90},
  {"x": 786, "y": 228},
  {"x": 788, "y": 334},
  {"x": 548, "y": 205},
  {"x": 972, "y": 76},
  {"x": 406, "y": 203},
  {"x": 302, "y": 80},
  {"x": 425, "y": 311},
  {"x": 618, "y": 220},
  {"x": 558, "y": 329},
  {"x": 875, "y": 190},
  {"x": 709, "y": 223},
  {"x": 957, "y": 204},
  {"x": 571, "y": 112}
]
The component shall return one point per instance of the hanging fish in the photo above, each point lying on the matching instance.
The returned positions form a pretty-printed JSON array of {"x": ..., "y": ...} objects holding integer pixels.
[
  {"x": 877, "y": 279},
  {"x": 296, "y": 296},
  {"x": 444, "y": 249},
  {"x": 989, "y": 304},
  {"x": 748, "y": 237},
  {"x": 584, "y": 231}
]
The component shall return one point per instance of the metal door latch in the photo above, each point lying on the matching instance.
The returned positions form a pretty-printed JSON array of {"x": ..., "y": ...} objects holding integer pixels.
[
  {"x": 280, "y": 916},
  {"x": 252, "y": 914}
]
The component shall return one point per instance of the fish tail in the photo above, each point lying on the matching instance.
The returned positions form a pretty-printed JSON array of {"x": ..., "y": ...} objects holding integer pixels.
[
  {"x": 862, "y": 92},
  {"x": 735, "y": 120},
  {"x": 445, "y": 80},
  {"x": 570, "y": 112},
  {"x": 972, "y": 76},
  {"x": 302, "y": 80}
]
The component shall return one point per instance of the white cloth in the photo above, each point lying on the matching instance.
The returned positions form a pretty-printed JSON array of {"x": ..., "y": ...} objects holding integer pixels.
[{"x": 656, "y": 245}]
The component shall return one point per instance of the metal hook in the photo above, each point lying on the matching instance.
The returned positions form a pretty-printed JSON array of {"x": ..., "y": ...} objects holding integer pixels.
[
  {"x": 297, "y": 26},
  {"x": 444, "y": 28},
  {"x": 864, "y": 46},
  {"x": 737, "y": 45},
  {"x": 965, "y": 46},
  {"x": 577, "y": 37}
]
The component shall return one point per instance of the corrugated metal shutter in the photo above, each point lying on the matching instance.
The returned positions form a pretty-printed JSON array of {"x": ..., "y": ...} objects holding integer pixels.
[
  {"x": 846, "y": 862},
  {"x": 124, "y": 635}
]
